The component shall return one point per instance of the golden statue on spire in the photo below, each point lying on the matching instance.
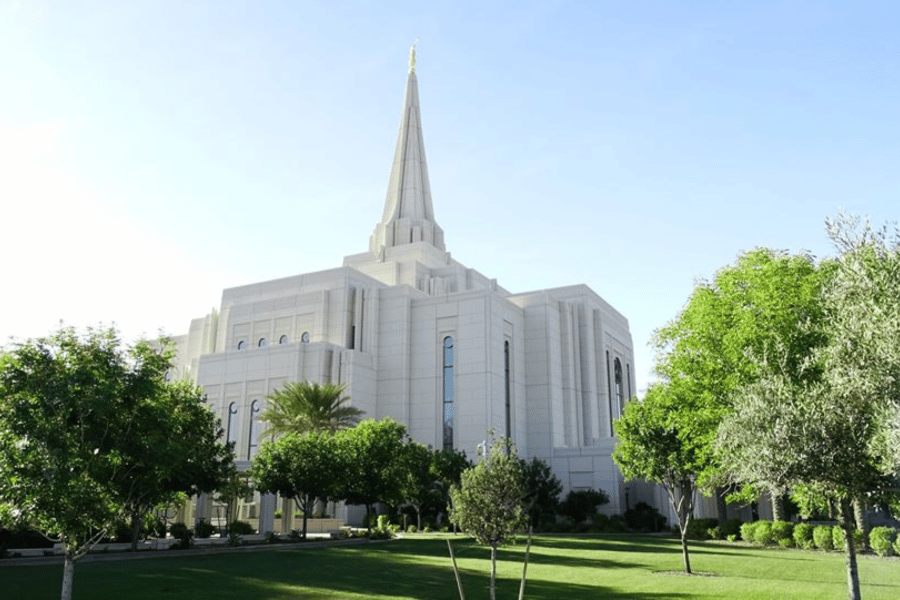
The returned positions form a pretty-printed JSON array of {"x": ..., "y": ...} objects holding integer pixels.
[{"x": 412, "y": 56}]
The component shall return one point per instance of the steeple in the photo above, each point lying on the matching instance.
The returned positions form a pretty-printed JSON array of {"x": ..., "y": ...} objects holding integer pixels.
[{"x": 408, "y": 214}]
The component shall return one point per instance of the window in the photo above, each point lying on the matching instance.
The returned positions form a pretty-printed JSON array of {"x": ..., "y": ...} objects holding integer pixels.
[
  {"x": 168, "y": 376},
  {"x": 232, "y": 422},
  {"x": 508, "y": 390},
  {"x": 262, "y": 342},
  {"x": 283, "y": 339},
  {"x": 242, "y": 345},
  {"x": 254, "y": 429},
  {"x": 617, "y": 366},
  {"x": 305, "y": 337},
  {"x": 448, "y": 393}
]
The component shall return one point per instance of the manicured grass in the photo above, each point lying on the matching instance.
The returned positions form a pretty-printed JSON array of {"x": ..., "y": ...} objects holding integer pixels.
[{"x": 617, "y": 567}]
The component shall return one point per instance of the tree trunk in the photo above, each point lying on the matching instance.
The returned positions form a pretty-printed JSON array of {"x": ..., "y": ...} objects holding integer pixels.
[
  {"x": 721, "y": 505},
  {"x": 135, "y": 529},
  {"x": 418, "y": 519},
  {"x": 493, "y": 569},
  {"x": 862, "y": 523},
  {"x": 68, "y": 574},
  {"x": 684, "y": 550},
  {"x": 777, "y": 506},
  {"x": 853, "y": 592}
]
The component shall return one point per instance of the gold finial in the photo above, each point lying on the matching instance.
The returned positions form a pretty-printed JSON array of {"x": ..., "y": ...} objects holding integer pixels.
[{"x": 412, "y": 56}]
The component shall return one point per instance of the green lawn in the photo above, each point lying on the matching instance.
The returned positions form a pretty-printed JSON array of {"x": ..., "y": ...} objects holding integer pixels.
[{"x": 616, "y": 567}]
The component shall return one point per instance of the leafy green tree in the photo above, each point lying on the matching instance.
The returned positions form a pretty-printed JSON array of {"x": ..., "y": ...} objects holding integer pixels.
[
  {"x": 542, "y": 491},
  {"x": 301, "y": 467},
  {"x": 489, "y": 504},
  {"x": 420, "y": 487},
  {"x": 173, "y": 449},
  {"x": 301, "y": 406},
  {"x": 663, "y": 438},
  {"x": 447, "y": 467},
  {"x": 373, "y": 467},
  {"x": 70, "y": 408},
  {"x": 766, "y": 309}
]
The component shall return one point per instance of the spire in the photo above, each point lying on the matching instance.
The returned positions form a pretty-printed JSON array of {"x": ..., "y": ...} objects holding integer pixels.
[{"x": 408, "y": 214}]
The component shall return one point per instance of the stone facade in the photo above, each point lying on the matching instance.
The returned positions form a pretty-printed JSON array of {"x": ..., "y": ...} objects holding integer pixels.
[{"x": 423, "y": 339}]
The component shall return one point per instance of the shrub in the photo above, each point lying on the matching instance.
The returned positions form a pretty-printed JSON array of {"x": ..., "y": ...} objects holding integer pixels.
[
  {"x": 235, "y": 539},
  {"x": 412, "y": 529},
  {"x": 747, "y": 532},
  {"x": 698, "y": 528},
  {"x": 763, "y": 533},
  {"x": 644, "y": 518},
  {"x": 786, "y": 542},
  {"x": 183, "y": 534},
  {"x": 783, "y": 530},
  {"x": 272, "y": 537},
  {"x": 241, "y": 528},
  {"x": 714, "y": 533},
  {"x": 823, "y": 537},
  {"x": 880, "y": 540},
  {"x": 581, "y": 504},
  {"x": 731, "y": 527},
  {"x": 383, "y": 522},
  {"x": 803, "y": 536},
  {"x": 295, "y": 535},
  {"x": 203, "y": 529},
  {"x": 897, "y": 545},
  {"x": 732, "y": 537}
]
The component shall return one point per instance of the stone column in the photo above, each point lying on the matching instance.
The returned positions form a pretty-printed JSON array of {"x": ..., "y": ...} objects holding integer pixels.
[
  {"x": 287, "y": 515},
  {"x": 266, "y": 513}
]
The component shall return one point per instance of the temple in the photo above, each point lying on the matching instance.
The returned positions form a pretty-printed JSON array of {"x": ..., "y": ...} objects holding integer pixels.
[{"x": 421, "y": 338}]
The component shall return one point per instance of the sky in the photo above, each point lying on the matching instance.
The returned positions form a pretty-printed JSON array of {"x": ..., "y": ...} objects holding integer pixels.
[{"x": 153, "y": 153}]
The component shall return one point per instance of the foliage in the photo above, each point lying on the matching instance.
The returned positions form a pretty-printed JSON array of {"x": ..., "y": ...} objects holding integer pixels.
[
  {"x": 542, "y": 492},
  {"x": 183, "y": 534},
  {"x": 301, "y": 406},
  {"x": 372, "y": 467},
  {"x": 301, "y": 467},
  {"x": 419, "y": 484},
  {"x": 241, "y": 528},
  {"x": 204, "y": 529},
  {"x": 489, "y": 503},
  {"x": 663, "y": 438},
  {"x": 88, "y": 433},
  {"x": 644, "y": 518},
  {"x": 782, "y": 530},
  {"x": 700, "y": 528},
  {"x": 803, "y": 536},
  {"x": 747, "y": 531},
  {"x": 234, "y": 488},
  {"x": 581, "y": 504},
  {"x": 839, "y": 537},
  {"x": 823, "y": 537},
  {"x": 880, "y": 539}
]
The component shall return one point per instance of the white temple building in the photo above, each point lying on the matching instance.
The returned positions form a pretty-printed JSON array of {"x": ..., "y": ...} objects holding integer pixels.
[{"x": 421, "y": 338}]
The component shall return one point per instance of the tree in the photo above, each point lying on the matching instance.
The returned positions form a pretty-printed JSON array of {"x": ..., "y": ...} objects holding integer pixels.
[
  {"x": 420, "y": 487},
  {"x": 542, "y": 491},
  {"x": 373, "y": 466},
  {"x": 663, "y": 438},
  {"x": 447, "y": 467},
  {"x": 489, "y": 503},
  {"x": 301, "y": 406},
  {"x": 173, "y": 449},
  {"x": 582, "y": 504},
  {"x": 70, "y": 407},
  {"x": 301, "y": 467},
  {"x": 764, "y": 309}
]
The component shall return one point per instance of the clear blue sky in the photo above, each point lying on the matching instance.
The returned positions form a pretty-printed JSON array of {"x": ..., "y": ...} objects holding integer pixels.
[{"x": 154, "y": 153}]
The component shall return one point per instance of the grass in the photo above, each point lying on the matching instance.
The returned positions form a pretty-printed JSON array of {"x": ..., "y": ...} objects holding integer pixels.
[{"x": 418, "y": 567}]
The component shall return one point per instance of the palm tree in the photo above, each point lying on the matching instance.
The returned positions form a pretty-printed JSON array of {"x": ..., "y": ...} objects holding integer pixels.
[{"x": 301, "y": 406}]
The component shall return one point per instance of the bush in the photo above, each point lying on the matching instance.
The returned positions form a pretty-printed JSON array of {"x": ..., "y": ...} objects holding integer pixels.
[
  {"x": 22, "y": 537},
  {"x": 732, "y": 537},
  {"x": 183, "y": 534},
  {"x": 699, "y": 528},
  {"x": 880, "y": 540},
  {"x": 581, "y": 504},
  {"x": 783, "y": 530},
  {"x": 747, "y": 532},
  {"x": 823, "y": 537},
  {"x": 897, "y": 545},
  {"x": 803, "y": 536},
  {"x": 644, "y": 518},
  {"x": 786, "y": 542},
  {"x": 731, "y": 527},
  {"x": 383, "y": 521},
  {"x": 272, "y": 537},
  {"x": 203, "y": 529},
  {"x": 241, "y": 528},
  {"x": 763, "y": 533},
  {"x": 412, "y": 529}
]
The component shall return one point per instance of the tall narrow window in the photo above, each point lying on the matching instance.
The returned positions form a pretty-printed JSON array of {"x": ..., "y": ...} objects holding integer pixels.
[
  {"x": 619, "y": 393},
  {"x": 609, "y": 391},
  {"x": 508, "y": 390},
  {"x": 232, "y": 422},
  {"x": 448, "y": 393},
  {"x": 628, "y": 379},
  {"x": 254, "y": 430}
]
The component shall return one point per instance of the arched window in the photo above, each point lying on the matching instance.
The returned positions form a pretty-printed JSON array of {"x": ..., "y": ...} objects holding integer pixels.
[
  {"x": 262, "y": 342},
  {"x": 232, "y": 422},
  {"x": 448, "y": 393},
  {"x": 241, "y": 345},
  {"x": 283, "y": 339},
  {"x": 620, "y": 398},
  {"x": 305, "y": 337},
  {"x": 508, "y": 390},
  {"x": 254, "y": 429}
]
